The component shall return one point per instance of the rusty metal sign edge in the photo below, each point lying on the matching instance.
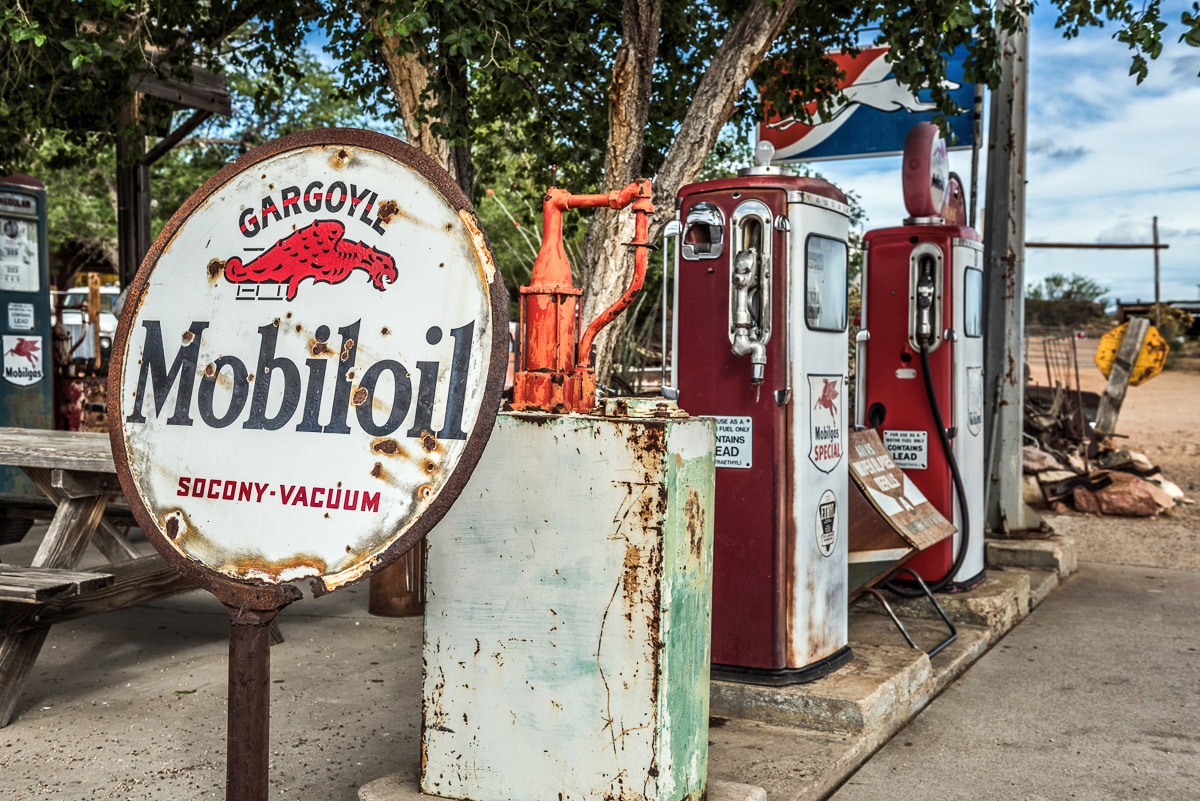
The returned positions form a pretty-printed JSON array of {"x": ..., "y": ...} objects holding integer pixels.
[{"x": 263, "y": 595}]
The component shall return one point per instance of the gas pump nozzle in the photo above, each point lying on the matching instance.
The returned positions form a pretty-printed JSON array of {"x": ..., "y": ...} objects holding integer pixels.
[
  {"x": 745, "y": 280},
  {"x": 925, "y": 290}
]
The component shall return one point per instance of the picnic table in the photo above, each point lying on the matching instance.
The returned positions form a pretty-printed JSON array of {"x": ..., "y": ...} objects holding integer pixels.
[{"x": 75, "y": 471}]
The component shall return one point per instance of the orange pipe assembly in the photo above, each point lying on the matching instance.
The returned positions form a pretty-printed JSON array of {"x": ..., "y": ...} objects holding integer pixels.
[{"x": 555, "y": 372}]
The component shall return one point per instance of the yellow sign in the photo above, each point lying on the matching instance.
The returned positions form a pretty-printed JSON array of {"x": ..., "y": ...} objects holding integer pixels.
[{"x": 1150, "y": 359}]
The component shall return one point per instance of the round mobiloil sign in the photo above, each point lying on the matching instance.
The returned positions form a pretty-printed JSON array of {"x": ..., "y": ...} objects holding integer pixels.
[{"x": 309, "y": 363}]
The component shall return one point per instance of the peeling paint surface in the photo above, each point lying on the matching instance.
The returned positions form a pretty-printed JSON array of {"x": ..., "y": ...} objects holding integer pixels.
[{"x": 567, "y": 615}]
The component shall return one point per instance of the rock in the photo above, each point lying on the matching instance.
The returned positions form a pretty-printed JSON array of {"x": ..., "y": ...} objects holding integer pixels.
[
  {"x": 1160, "y": 496},
  {"x": 1060, "y": 508},
  {"x": 1035, "y": 461},
  {"x": 1085, "y": 501},
  {"x": 1113, "y": 460},
  {"x": 1075, "y": 461},
  {"x": 1141, "y": 462},
  {"x": 1127, "y": 496},
  {"x": 1054, "y": 476},
  {"x": 1168, "y": 487}
]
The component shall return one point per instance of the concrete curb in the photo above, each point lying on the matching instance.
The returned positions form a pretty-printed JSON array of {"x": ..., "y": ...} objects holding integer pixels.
[{"x": 1057, "y": 553}]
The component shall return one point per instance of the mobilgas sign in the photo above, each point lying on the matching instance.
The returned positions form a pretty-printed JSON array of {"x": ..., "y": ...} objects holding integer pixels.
[
  {"x": 877, "y": 114},
  {"x": 308, "y": 361}
]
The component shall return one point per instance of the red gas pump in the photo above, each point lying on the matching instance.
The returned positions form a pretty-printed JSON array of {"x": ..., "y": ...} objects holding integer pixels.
[
  {"x": 920, "y": 355},
  {"x": 760, "y": 344}
]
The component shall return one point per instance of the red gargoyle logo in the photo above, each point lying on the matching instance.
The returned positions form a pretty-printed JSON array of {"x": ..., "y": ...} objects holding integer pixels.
[
  {"x": 829, "y": 394},
  {"x": 25, "y": 348},
  {"x": 318, "y": 251}
]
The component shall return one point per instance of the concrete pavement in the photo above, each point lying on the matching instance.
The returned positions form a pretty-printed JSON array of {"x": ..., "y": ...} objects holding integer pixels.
[
  {"x": 1095, "y": 696},
  {"x": 131, "y": 705}
]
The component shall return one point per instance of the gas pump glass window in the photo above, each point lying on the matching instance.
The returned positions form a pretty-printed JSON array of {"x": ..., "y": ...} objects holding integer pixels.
[
  {"x": 703, "y": 232},
  {"x": 973, "y": 302},
  {"x": 826, "y": 263}
]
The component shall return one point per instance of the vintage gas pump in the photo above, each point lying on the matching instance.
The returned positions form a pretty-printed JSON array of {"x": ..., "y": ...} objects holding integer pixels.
[
  {"x": 568, "y": 590},
  {"x": 760, "y": 344},
  {"x": 26, "y": 399},
  {"x": 920, "y": 355}
]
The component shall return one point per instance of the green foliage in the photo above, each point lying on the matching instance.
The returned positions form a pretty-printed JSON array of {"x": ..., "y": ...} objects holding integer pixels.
[
  {"x": 1174, "y": 323},
  {"x": 81, "y": 178},
  {"x": 66, "y": 65},
  {"x": 1073, "y": 287},
  {"x": 1062, "y": 301}
]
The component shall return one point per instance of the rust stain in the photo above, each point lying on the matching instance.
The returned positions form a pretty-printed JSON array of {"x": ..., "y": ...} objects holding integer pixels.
[
  {"x": 483, "y": 254},
  {"x": 633, "y": 561},
  {"x": 429, "y": 442},
  {"x": 377, "y": 470},
  {"x": 430, "y": 468},
  {"x": 385, "y": 331},
  {"x": 389, "y": 447},
  {"x": 215, "y": 266},
  {"x": 210, "y": 370},
  {"x": 318, "y": 348},
  {"x": 359, "y": 397},
  {"x": 346, "y": 350},
  {"x": 188, "y": 337},
  {"x": 261, "y": 566},
  {"x": 173, "y": 525},
  {"x": 693, "y": 513},
  {"x": 340, "y": 159},
  {"x": 389, "y": 209},
  {"x": 424, "y": 491}
]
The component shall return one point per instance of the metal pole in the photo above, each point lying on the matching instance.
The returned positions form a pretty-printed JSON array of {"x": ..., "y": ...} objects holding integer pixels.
[
  {"x": 1157, "y": 299},
  {"x": 977, "y": 126},
  {"x": 247, "y": 766},
  {"x": 1004, "y": 258}
]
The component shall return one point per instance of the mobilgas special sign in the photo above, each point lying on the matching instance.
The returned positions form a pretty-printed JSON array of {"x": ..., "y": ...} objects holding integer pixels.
[{"x": 311, "y": 360}]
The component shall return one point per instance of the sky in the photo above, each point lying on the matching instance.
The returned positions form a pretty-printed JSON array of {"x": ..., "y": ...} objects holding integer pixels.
[{"x": 1105, "y": 155}]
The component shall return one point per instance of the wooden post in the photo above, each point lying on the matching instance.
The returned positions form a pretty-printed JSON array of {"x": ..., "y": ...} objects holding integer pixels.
[
  {"x": 1004, "y": 292},
  {"x": 1157, "y": 298},
  {"x": 1118, "y": 379}
]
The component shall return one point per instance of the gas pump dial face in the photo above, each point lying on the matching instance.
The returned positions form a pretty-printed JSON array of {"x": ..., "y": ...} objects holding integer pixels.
[{"x": 925, "y": 172}]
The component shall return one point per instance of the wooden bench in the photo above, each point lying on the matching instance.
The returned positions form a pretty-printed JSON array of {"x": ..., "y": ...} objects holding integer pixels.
[
  {"x": 37, "y": 585},
  {"x": 76, "y": 473}
]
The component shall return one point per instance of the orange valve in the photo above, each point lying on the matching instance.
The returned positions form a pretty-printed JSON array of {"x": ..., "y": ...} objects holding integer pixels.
[{"x": 555, "y": 372}]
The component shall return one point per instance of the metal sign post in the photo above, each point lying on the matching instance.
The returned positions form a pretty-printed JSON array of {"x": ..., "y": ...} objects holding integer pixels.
[{"x": 308, "y": 367}]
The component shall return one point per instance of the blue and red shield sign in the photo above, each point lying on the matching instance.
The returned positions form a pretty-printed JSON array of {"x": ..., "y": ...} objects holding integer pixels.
[{"x": 877, "y": 114}]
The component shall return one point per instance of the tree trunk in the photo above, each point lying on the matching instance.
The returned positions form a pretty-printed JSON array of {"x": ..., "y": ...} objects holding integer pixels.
[
  {"x": 739, "y": 55},
  {"x": 610, "y": 264},
  {"x": 409, "y": 78}
]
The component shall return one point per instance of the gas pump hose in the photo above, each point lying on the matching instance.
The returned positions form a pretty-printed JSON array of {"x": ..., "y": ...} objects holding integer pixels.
[{"x": 959, "y": 492}]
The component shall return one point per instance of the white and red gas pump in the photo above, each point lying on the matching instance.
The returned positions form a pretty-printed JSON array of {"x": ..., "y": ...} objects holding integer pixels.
[
  {"x": 920, "y": 355},
  {"x": 760, "y": 344}
]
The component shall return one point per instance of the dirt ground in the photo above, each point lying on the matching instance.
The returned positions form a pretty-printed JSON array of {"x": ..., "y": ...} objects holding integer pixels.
[{"x": 1160, "y": 418}]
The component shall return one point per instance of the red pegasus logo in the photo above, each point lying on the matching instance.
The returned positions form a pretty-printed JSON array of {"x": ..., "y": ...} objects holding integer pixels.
[
  {"x": 317, "y": 251},
  {"x": 25, "y": 348},
  {"x": 829, "y": 394}
]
